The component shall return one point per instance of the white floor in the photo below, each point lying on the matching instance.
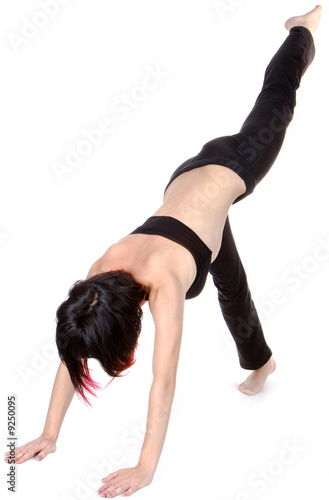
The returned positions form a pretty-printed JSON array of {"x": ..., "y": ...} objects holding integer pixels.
[{"x": 63, "y": 202}]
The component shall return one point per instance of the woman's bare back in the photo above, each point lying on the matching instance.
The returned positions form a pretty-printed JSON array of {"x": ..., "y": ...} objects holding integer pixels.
[{"x": 200, "y": 199}]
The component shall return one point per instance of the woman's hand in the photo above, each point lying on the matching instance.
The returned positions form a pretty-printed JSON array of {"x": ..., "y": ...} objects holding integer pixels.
[
  {"x": 125, "y": 482},
  {"x": 38, "y": 448}
]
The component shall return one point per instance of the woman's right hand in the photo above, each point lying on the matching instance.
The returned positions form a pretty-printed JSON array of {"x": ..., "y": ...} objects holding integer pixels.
[{"x": 38, "y": 448}]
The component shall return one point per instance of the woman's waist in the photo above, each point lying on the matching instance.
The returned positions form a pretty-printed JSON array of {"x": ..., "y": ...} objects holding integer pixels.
[{"x": 207, "y": 224}]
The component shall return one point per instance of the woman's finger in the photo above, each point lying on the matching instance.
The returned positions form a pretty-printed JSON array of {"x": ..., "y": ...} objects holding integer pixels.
[{"x": 33, "y": 449}]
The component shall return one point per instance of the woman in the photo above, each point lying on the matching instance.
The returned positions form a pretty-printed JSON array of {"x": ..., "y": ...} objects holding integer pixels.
[{"x": 166, "y": 260}]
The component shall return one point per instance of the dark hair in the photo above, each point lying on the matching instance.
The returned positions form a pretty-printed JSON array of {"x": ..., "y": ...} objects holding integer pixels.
[{"x": 101, "y": 319}]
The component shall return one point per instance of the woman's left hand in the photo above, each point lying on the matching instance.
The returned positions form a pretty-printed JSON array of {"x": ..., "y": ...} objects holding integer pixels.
[{"x": 125, "y": 482}]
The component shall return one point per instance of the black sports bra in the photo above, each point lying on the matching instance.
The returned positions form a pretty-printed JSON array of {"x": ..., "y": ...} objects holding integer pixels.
[{"x": 175, "y": 230}]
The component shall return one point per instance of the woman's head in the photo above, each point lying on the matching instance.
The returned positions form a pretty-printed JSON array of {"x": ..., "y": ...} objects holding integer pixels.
[{"x": 100, "y": 319}]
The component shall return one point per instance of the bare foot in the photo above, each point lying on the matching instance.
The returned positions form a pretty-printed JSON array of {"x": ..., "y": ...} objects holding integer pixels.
[
  {"x": 256, "y": 380},
  {"x": 309, "y": 20}
]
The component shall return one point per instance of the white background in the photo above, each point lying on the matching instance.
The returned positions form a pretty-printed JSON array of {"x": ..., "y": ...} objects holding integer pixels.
[{"x": 64, "y": 80}]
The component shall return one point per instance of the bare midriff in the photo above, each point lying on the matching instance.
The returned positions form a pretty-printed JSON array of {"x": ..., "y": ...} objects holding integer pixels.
[{"x": 201, "y": 198}]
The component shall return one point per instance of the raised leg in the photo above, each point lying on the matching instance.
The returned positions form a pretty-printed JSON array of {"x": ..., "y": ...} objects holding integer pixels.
[
  {"x": 262, "y": 134},
  {"x": 253, "y": 150}
]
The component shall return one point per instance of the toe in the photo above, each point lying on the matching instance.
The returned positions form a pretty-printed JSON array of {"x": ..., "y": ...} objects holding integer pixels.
[{"x": 246, "y": 389}]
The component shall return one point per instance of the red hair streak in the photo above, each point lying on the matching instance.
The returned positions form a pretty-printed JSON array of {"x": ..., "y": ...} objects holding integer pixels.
[{"x": 91, "y": 386}]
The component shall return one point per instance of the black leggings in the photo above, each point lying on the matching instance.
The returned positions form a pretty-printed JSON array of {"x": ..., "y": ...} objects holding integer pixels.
[
  {"x": 259, "y": 142},
  {"x": 251, "y": 153}
]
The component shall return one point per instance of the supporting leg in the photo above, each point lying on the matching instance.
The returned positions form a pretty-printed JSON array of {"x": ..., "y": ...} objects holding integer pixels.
[
  {"x": 240, "y": 314},
  {"x": 237, "y": 305}
]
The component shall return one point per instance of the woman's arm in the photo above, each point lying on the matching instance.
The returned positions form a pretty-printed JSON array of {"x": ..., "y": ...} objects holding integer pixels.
[
  {"x": 167, "y": 307},
  {"x": 61, "y": 397},
  {"x": 160, "y": 402}
]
